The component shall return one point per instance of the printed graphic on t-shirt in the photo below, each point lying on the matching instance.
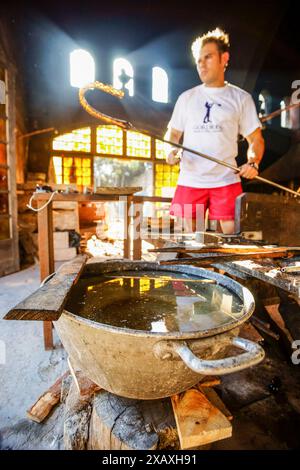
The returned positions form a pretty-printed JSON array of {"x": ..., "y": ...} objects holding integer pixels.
[
  {"x": 208, "y": 123},
  {"x": 208, "y": 108}
]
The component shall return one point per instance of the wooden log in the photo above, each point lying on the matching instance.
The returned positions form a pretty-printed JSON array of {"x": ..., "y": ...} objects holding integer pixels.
[
  {"x": 65, "y": 388},
  {"x": 42, "y": 407},
  {"x": 48, "y": 301},
  {"x": 198, "y": 421},
  {"x": 84, "y": 385},
  {"x": 76, "y": 420}
]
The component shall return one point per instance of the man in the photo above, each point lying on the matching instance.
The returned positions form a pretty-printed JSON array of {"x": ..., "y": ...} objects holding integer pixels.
[{"x": 209, "y": 118}]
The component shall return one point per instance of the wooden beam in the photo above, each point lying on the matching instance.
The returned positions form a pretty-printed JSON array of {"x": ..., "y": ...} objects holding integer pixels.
[{"x": 48, "y": 301}]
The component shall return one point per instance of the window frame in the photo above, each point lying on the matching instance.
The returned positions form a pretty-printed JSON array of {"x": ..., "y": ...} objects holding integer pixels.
[{"x": 124, "y": 157}]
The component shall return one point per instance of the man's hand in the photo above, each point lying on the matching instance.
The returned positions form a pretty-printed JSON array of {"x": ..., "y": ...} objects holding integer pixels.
[
  {"x": 248, "y": 171},
  {"x": 173, "y": 157}
]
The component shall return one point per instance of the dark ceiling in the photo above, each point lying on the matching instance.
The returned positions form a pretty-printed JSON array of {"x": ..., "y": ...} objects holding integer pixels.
[{"x": 264, "y": 51}]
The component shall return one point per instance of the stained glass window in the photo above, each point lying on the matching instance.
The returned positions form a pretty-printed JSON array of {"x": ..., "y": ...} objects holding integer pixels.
[
  {"x": 166, "y": 177},
  {"x": 110, "y": 140},
  {"x": 161, "y": 149},
  {"x": 78, "y": 140},
  {"x": 73, "y": 170},
  {"x": 138, "y": 145},
  {"x": 108, "y": 171}
]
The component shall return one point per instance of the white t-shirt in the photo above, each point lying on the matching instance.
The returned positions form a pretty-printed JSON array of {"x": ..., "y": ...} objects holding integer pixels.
[{"x": 211, "y": 120}]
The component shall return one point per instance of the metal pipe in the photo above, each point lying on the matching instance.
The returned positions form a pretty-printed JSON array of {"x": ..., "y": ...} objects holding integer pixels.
[
  {"x": 126, "y": 125},
  {"x": 278, "y": 112}
]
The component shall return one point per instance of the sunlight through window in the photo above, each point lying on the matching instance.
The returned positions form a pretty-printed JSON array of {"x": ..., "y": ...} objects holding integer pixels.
[
  {"x": 123, "y": 76},
  {"x": 159, "y": 85},
  {"x": 82, "y": 68}
]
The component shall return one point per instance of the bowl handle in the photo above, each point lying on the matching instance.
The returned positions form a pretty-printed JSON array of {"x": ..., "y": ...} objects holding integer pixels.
[{"x": 253, "y": 355}]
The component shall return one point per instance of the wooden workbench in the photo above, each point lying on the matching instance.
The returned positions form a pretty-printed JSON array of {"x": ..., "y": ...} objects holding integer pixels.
[
  {"x": 266, "y": 270},
  {"x": 45, "y": 231}
]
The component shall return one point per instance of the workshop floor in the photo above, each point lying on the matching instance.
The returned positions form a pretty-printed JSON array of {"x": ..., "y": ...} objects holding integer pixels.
[{"x": 264, "y": 400}]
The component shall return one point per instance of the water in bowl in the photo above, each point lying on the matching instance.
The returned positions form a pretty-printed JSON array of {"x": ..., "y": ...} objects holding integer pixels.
[{"x": 155, "y": 301}]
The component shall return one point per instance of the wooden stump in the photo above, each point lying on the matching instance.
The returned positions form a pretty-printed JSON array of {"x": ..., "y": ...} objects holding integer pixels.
[
  {"x": 126, "y": 424},
  {"x": 98, "y": 420},
  {"x": 76, "y": 420}
]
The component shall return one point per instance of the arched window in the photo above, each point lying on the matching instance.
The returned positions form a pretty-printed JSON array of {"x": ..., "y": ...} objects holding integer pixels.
[
  {"x": 285, "y": 115},
  {"x": 160, "y": 84},
  {"x": 265, "y": 104},
  {"x": 82, "y": 68},
  {"x": 123, "y": 76}
]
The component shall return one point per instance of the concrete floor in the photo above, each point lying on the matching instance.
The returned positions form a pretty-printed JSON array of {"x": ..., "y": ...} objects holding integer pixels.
[
  {"x": 28, "y": 370},
  {"x": 265, "y": 417}
]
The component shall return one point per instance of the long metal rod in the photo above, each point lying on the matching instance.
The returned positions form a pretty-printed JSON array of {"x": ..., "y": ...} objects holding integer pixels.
[
  {"x": 278, "y": 112},
  {"x": 126, "y": 125}
]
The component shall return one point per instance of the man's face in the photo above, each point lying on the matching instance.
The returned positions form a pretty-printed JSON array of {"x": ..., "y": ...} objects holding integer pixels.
[{"x": 211, "y": 63}]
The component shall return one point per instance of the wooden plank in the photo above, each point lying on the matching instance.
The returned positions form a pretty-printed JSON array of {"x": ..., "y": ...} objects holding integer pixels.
[
  {"x": 48, "y": 335},
  {"x": 209, "y": 258},
  {"x": 198, "y": 421},
  {"x": 266, "y": 271},
  {"x": 45, "y": 240},
  {"x": 125, "y": 190},
  {"x": 137, "y": 237},
  {"x": 127, "y": 237},
  {"x": 225, "y": 249},
  {"x": 215, "y": 400},
  {"x": 42, "y": 407},
  {"x": 48, "y": 301}
]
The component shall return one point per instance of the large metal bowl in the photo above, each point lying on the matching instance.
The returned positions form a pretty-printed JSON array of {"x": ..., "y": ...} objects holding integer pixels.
[{"x": 147, "y": 365}]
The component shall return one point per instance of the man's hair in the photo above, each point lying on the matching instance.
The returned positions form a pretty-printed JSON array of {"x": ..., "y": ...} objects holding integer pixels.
[{"x": 218, "y": 36}]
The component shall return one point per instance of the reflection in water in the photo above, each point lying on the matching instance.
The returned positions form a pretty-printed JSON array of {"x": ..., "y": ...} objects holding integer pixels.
[{"x": 155, "y": 301}]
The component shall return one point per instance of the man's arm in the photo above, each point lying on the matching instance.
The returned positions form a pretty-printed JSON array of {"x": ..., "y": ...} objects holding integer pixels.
[
  {"x": 173, "y": 135},
  {"x": 256, "y": 147}
]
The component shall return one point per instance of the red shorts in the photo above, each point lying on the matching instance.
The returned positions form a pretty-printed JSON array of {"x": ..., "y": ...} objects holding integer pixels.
[{"x": 188, "y": 202}]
